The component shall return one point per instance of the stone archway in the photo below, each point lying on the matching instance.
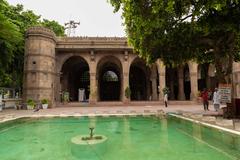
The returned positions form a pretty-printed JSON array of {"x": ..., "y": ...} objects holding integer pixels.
[
  {"x": 203, "y": 77},
  {"x": 75, "y": 76},
  {"x": 109, "y": 75},
  {"x": 139, "y": 80}
]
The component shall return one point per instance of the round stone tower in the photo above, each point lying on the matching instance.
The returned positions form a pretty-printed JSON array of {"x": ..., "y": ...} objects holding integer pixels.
[{"x": 39, "y": 65}]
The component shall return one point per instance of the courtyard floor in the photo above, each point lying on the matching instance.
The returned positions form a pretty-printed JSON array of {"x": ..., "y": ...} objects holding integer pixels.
[{"x": 192, "y": 111}]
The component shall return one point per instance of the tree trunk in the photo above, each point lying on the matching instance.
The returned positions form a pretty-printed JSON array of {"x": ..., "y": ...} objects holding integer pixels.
[{"x": 219, "y": 66}]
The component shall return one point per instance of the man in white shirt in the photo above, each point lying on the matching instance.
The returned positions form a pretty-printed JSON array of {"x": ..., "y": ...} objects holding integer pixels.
[{"x": 216, "y": 99}]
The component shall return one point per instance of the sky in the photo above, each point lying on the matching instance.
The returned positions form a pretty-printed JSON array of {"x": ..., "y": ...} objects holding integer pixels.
[{"x": 96, "y": 16}]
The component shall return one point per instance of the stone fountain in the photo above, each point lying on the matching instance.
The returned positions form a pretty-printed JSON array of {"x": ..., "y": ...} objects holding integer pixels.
[{"x": 82, "y": 145}]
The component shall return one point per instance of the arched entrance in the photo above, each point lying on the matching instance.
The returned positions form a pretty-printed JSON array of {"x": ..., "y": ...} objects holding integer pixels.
[
  {"x": 187, "y": 83},
  {"x": 75, "y": 76},
  {"x": 109, "y": 79},
  {"x": 139, "y": 80},
  {"x": 206, "y": 76},
  {"x": 203, "y": 77},
  {"x": 172, "y": 82}
]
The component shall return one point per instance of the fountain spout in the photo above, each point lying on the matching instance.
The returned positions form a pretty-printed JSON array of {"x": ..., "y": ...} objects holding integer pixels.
[{"x": 91, "y": 132}]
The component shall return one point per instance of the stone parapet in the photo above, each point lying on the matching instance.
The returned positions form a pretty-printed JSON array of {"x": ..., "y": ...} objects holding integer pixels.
[
  {"x": 39, "y": 31},
  {"x": 124, "y": 39},
  {"x": 96, "y": 43}
]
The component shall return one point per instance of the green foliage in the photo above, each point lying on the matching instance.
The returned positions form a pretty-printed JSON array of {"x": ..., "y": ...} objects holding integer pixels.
[
  {"x": 30, "y": 102},
  {"x": 127, "y": 92},
  {"x": 165, "y": 90},
  {"x": 44, "y": 101},
  {"x": 53, "y": 25},
  {"x": 179, "y": 31},
  {"x": 14, "y": 21},
  {"x": 65, "y": 96}
]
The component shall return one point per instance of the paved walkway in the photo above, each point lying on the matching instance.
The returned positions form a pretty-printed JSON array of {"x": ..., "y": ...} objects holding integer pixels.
[
  {"x": 190, "y": 111},
  {"x": 85, "y": 110}
]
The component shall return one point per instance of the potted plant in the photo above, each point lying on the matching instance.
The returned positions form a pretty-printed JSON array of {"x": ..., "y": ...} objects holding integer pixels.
[
  {"x": 30, "y": 104},
  {"x": 44, "y": 103},
  {"x": 128, "y": 93},
  {"x": 65, "y": 97},
  {"x": 165, "y": 90}
]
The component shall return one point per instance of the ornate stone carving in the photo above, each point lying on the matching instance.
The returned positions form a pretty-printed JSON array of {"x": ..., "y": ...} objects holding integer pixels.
[
  {"x": 125, "y": 55},
  {"x": 92, "y": 54}
]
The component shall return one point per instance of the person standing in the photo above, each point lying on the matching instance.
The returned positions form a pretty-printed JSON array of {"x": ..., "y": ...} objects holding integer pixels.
[
  {"x": 166, "y": 99},
  {"x": 205, "y": 99},
  {"x": 216, "y": 99}
]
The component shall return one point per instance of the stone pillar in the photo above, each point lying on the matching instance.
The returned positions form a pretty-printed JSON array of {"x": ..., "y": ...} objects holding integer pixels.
[
  {"x": 154, "y": 83},
  {"x": 236, "y": 80},
  {"x": 193, "y": 69},
  {"x": 58, "y": 88},
  {"x": 39, "y": 65},
  {"x": 154, "y": 88},
  {"x": 181, "y": 95},
  {"x": 58, "y": 81},
  {"x": 125, "y": 81},
  {"x": 93, "y": 84},
  {"x": 162, "y": 78}
]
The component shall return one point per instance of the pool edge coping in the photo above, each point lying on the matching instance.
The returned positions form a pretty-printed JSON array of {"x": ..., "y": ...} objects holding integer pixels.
[
  {"x": 207, "y": 124},
  {"x": 74, "y": 115}
]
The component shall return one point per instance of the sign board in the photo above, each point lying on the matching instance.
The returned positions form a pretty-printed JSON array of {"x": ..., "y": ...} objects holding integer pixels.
[{"x": 225, "y": 92}]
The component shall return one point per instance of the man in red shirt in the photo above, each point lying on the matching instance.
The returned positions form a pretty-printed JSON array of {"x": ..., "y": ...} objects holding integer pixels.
[{"x": 205, "y": 99}]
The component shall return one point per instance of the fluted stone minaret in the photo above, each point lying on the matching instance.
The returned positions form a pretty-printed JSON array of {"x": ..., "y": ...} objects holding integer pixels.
[{"x": 39, "y": 65}]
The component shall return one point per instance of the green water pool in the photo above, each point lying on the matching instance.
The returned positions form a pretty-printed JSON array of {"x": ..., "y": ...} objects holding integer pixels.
[{"x": 128, "y": 138}]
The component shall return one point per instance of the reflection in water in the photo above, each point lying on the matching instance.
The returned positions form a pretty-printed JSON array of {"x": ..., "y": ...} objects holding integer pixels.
[
  {"x": 128, "y": 138},
  {"x": 197, "y": 131},
  {"x": 164, "y": 132}
]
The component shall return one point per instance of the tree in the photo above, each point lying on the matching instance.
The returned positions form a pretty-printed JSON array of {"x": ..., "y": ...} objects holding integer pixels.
[
  {"x": 53, "y": 25},
  {"x": 9, "y": 40},
  {"x": 14, "y": 21},
  {"x": 181, "y": 30}
]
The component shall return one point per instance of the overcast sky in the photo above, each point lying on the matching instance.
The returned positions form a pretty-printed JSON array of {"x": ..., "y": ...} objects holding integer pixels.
[{"x": 96, "y": 16}]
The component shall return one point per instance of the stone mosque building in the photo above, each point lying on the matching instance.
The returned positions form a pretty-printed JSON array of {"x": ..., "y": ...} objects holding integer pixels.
[{"x": 104, "y": 67}]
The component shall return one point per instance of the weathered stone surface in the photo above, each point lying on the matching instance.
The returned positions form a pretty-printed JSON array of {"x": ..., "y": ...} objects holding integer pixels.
[{"x": 46, "y": 55}]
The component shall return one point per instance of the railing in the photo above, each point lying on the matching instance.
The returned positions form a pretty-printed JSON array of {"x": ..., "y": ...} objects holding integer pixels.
[{"x": 9, "y": 97}]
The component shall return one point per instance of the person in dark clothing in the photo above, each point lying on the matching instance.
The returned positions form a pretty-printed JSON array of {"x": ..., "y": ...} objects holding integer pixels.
[{"x": 205, "y": 99}]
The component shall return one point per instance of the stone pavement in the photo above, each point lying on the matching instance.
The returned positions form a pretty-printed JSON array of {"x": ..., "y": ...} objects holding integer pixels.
[{"x": 190, "y": 111}]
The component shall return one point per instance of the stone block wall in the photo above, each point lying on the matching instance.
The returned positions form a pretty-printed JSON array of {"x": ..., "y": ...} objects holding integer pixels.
[{"x": 39, "y": 66}]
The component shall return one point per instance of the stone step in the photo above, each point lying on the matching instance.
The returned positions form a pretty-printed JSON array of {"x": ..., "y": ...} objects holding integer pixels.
[
  {"x": 224, "y": 122},
  {"x": 208, "y": 119},
  {"x": 237, "y": 126}
]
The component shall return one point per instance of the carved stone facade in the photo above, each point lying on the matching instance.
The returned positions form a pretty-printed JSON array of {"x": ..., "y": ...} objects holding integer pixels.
[{"x": 104, "y": 67}]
